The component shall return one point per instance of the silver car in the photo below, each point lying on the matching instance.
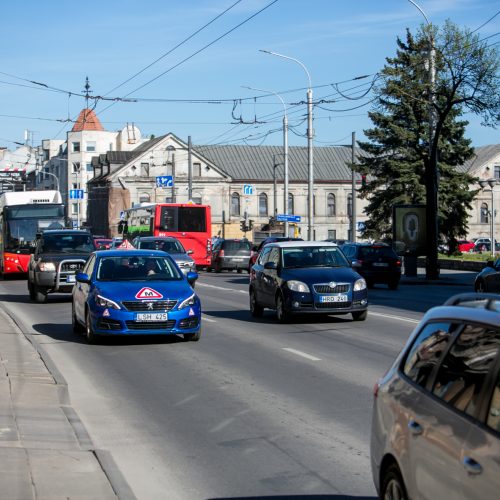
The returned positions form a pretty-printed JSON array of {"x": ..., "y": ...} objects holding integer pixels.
[
  {"x": 169, "y": 245},
  {"x": 436, "y": 415}
]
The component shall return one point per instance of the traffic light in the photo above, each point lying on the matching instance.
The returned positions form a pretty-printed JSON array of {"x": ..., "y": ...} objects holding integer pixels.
[
  {"x": 242, "y": 226},
  {"x": 363, "y": 180},
  {"x": 250, "y": 224}
]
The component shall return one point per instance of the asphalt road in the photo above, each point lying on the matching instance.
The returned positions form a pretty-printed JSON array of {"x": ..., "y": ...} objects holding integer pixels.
[{"x": 254, "y": 409}]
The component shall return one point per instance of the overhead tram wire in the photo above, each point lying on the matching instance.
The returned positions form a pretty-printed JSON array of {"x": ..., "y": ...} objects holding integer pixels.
[
  {"x": 198, "y": 51},
  {"x": 175, "y": 47}
]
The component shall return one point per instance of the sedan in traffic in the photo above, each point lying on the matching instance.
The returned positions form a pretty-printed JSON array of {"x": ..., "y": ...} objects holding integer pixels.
[
  {"x": 306, "y": 277},
  {"x": 488, "y": 280},
  {"x": 135, "y": 292}
]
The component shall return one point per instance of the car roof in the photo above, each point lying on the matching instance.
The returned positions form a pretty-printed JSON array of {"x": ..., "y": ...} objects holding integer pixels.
[
  {"x": 130, "y": 252},
  {"x": 65, "y": 231},
  {"x": 154, "y": 238},
  {"x": 302, "y": 244}
]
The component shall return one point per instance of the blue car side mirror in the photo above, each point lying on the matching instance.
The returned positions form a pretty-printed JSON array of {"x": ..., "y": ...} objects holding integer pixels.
[
  {"x": 191, "y": 277},
  {"x": 82, "y": 278}
]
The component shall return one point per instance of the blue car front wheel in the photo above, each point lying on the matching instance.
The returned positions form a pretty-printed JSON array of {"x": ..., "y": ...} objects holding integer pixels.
[{"x": 193, "y": 337}]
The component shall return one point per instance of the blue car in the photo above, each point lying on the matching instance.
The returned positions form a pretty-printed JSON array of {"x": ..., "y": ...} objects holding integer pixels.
[
  {"x": 306, "y": 277},
  {"x": 135, "y": 292}
]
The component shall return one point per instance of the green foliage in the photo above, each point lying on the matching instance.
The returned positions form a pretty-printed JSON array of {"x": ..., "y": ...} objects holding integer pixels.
[{"x": 397, "y": 151}]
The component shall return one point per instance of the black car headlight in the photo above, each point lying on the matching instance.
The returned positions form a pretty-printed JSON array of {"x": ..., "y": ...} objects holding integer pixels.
[
  {"x": 298, "y": 286},
  {"x": 106, "y": 303},
  {"x": 47, "y": 266}
]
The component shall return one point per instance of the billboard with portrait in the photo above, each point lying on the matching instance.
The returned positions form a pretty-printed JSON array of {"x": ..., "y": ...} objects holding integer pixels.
[{"x": 409, "y": 229}]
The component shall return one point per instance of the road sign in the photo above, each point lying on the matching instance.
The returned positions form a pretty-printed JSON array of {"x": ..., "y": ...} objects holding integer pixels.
[
  {"x": 361, "y": 226},
  {"x": 247, "y": 189},
  {"x": 75, "y": 224},
  {"x": 288, "y": 218},
  {"x": 165, "y": 181},
  {"x": 122, "y": 215},
  {"x": 76, "y": 194}
]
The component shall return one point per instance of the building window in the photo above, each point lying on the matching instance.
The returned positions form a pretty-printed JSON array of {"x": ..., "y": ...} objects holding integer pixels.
[
  {"x": 74, "y": 208},
  {"x": 290, "y": 204},
  {"x": 484, "y": 213},
  {"x": 235, "y": 204},
  {"x": 349, "y": 205},
  {"x": 90, "y": 145},
  {"x": 144, "y": 198},
  {"x": 263, "y": 204},
  {"x": 145, "y": 169},
  {"x": 196, "y": 169},
  {"x": 330, "y": 205},
  {"x": 75, "y": 147},
  {"x": 75, "y": 167},
  {"x": 89, "y": 167},
  {"x": 169, "y": 199},
  {"x": 332, "y": 234}
]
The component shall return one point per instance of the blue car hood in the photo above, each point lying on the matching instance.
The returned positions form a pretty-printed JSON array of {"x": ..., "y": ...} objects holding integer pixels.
[
  {"x": 321, "y": 274},
  {"x": 127, "y": 290}
]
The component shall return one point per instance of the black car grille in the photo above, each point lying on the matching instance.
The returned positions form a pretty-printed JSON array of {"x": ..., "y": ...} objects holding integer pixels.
[
  {"x": 108, "y": 324},
  {"x": 72, "y": 267},
  {"x": 151, "y": 325},
  {"x": 332, "y": 305},
  {"x": 144, "y": 305},
  {"x": 188, "y": 323},
  {"x": 326, "y": 288}
]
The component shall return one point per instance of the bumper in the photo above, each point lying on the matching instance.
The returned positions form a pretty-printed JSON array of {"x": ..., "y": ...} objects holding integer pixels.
[
  {"x": 49, "y": 280},
  {"x": 234, "y": 263},
  {"x": 311, "y": 303},
  {"x": 120, "y": 322}
]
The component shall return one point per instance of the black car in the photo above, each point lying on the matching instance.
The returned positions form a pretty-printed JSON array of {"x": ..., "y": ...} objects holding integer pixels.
[
  {"x": 306, "y": 277},
  {"x": 230, "y": 254},
  {"x": 488, "y": 280},
  {"x": 56, "y": 258},
  {"x": 376, "y": 262}
]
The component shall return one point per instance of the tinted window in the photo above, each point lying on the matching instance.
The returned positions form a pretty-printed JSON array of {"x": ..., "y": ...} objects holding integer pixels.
[
  {"x": 426, "y": 351},
  {"x": 136, "y": 268},
  {"x": 192, "y": 219},
  {"x": 370, "y": 252},
  {"x": 170, "y": 246},
  {"x": 263, "y": 256},
  {"x": 235, "y": 245},
  {"x": 462, "y": 373},
  {"x": 68, "y": 243},
  {"x": 274, "y": 256},
  {"x": 314, "y": 256}
]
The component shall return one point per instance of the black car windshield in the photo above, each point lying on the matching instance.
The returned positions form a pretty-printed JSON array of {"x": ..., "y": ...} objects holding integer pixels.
[
  {"x": 314, "y": 257},
  {"x": 137, "y": 268},
  {"x": 371, "y": 252},
  {"x": 169, "y": 246},
  {"x": 68, "y": 243}
]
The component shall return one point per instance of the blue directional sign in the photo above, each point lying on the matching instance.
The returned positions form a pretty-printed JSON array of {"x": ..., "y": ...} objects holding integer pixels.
[
  {"x": 247, "y": 189},
  {"x": 165, "y": 181},
  {"x": 76, "y": 194},
  {"x": 288, "y": 218},
  {"x": 361, "y": 226}
]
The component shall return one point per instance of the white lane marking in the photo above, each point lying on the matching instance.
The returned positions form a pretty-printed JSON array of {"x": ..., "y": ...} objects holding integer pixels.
[
  {"x": 217, "y": 287},
  {"x": 204, "y": 318},
  {"x": 300, "y": 353},
  {"x": 390, "y": 316}
]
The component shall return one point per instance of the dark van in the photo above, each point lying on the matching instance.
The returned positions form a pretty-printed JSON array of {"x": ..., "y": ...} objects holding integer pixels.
[{"x": 230, "y": 254}]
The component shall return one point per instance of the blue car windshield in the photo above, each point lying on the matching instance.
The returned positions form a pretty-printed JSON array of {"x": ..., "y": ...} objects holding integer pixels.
[
  {"x": 137, "y": 268},
  {"x": 314, "y": 257}
]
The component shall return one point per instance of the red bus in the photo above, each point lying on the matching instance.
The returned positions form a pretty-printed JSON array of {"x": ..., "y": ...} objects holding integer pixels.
[
  {"x": 190, "y": 224},
  {"x": 23, "y": 214}
]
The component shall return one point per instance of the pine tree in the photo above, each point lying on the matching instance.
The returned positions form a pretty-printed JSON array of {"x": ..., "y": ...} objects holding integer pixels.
[{"x": 396, "y": 155}]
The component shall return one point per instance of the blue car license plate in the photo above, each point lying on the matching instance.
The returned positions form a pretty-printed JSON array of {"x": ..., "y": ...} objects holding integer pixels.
[
  {"x": 334, "y": 298},
  {"x": 151, "y": 317}
]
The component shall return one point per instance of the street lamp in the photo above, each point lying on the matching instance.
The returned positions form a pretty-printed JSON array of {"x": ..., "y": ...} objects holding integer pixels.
[
  {"x": 491, "y": 183},
  {"x": 431, "y": 173},
  {"x": 285, "y": 154},
  {"x": 310, "y": 133},
  {"x": 55, "y": 177}
]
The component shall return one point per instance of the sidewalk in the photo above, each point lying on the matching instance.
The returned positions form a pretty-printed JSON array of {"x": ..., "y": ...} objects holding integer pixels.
[
  {"x": 447, "y": 277},
  {"x": 45, "y": 452}
]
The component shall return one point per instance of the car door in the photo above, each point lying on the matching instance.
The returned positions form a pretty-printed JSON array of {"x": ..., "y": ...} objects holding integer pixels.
[
  {"x": 270, "y": 277},
  {"x": 257, "y": 274},
  {"x": 81, "y": 290},
  {"x": 481, "y": 452}
]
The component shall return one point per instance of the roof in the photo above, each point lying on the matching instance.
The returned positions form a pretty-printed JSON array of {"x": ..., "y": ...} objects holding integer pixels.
[
  {"x": 256, "y": 163},
  {"x": 302, "y": 244},
  {"x": 482, "y": 155},
  {"x": 87, "y": 120}
]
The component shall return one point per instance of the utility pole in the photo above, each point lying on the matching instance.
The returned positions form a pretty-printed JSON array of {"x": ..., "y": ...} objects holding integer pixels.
[
  {"x": 190, "y": 170},
  {"x": 353, "y": 190}
]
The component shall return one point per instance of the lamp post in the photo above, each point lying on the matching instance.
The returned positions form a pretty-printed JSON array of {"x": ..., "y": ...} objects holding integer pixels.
[
  {"x": 491, "y": 183},
  {"x": 431, "y": 167},
  {"x": 285, "y": 155},
  {"x": 55, "y": 177},
  {"x": 310, "y": 134}
]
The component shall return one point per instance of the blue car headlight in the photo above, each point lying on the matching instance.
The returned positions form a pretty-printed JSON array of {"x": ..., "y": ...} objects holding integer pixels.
[
  {"x": 359, "y": 285},
  {"x": 107, "y": 303},
  {"x": 190, "y": 301},
  {"x": 297, "y": 286}
]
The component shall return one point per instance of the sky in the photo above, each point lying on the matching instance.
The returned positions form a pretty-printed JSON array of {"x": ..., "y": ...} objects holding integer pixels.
[{"x": 162, "y": 59}]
